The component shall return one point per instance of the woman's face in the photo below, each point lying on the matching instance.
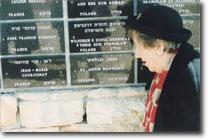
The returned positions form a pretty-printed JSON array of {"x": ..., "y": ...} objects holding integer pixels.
[{"x": 148, "y": 54}]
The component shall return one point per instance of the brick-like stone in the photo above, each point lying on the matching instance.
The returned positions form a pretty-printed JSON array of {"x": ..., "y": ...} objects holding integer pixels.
[
  {"x": 122, "y": 110},
  {"x": 8, "y": 110},
  {"x": 50, "y": 113}
]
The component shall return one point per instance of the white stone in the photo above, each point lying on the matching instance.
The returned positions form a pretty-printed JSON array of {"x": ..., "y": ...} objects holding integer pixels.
[
  {"x": 103, "y": 93},
  {"x": 50, "y": 129},
  {"x": 8, "y": 110},
  {"x": 32, "y": 96},
  {"x": 116, "y": 92},
  {"x": 123, "y": 110},
  {"x": 70, "y": 95},
  {"x": 124, "y": 92},
  {"x": 52, "y": 95},
  {"x": 50, "y": 113},
  {"x": 101, "y": 128}
]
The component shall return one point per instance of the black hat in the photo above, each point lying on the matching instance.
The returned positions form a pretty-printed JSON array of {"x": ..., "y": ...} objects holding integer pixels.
[{"x": 161, "y": 22}]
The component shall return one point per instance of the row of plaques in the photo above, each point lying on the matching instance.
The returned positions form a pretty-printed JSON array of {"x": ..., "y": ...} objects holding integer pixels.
[
  {"x": 48, "y": 37},
  {"x": 43, "y": 9},
  {"x": 50, "y": 71},
  {"x": 35, "y": 53},
  {"x": 39, "y": 9}
]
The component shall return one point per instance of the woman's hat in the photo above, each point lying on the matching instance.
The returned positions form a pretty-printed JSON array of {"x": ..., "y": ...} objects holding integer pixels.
[{"x": 160, "y": 22}]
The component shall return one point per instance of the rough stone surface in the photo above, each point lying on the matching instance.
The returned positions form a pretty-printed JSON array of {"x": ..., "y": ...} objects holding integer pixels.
[
  {"x": 115, "y": 92},
  {"x": 50, "y": 129},
  {"x": 67, "y": 95},
  {"x": 52, "y": 95},
  {"x": 107, "y": 110},
  {"x": 123, "y": 110},
  {"x": 102, "y": 93},
  {"x": 8, "y": 110},
  {"x": 101, "y": 128},
  {"x": 50, "y": 113},
  {"x": 32, "y": 96}
]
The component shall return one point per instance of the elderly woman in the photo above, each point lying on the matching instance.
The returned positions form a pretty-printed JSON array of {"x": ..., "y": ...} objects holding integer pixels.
[{"x": 159, "y": 39}]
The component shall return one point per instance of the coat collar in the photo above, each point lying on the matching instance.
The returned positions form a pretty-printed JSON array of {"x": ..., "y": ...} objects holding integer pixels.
[{"x": 185, "y": 54}]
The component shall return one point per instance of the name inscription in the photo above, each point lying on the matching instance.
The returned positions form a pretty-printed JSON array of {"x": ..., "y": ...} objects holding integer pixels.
[
  {"x": 95, "y": 36},
  {"x": 32, "y": 38},
  {"x": 101, "y": 69},
  {"x": 34, "y": 71},
  {"x": 98, "y": 8},
  {"x": 30, "y": 9}
]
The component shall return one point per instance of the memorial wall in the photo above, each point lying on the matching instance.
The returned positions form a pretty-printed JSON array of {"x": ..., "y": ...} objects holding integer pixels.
[
  {"x": 64, "y": 43},
  {"x": 68, "y": 66},
  {"x": 75, "y": 43}
]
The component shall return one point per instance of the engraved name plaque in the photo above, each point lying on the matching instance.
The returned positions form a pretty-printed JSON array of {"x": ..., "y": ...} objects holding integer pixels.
[
  {"x": 96, "y": 36},
  {"x": 99, "y": 8},
  {"x": 101, "y": 69},
  {"x": 47, "y": 71},
  {"x": 30, "y": 9},
  {"x": 32, "y": 38}
]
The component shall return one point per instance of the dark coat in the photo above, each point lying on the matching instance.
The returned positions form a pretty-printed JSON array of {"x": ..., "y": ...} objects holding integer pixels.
[{"x": 179, "y": 103}]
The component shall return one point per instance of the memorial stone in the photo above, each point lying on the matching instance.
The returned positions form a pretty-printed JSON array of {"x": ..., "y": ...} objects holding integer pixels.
[
  {"x": 47, "y": 43},
  {"x": 32, "y": 38},
  {"x": 96, "y": 36},
  {"x": 99, "y": 8},
  {"x": 101, "y": 69},
  {"x": 188, "y": 9},
  {"x": 30, "y": 9},
  {"x": 182, "y": 6},
  {"x": 39, "y": 71},
  {"x": 193, "y": 23}
]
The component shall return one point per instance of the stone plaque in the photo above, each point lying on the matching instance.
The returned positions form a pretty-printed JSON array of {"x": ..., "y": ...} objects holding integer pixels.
[
  {"x": 96, "y": 36},
  {"x": 32, "y": 38},
  {"x": 188, "y": 9},
  {"x": 182, "y": 6},
  {"x": 99, "y": 8},
  {"x": 30, "y": 9},
  {"x": 101, "y": 69},
  {"x": 193, "y": 23},
  {"x": 23, "y": 72}
]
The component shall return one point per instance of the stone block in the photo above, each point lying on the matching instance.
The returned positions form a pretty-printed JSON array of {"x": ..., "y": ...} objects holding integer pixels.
[
  {"x": 115, "y": 110},
  {"x": 8, "y": 110},
  {"x": 50, "y": 113}
]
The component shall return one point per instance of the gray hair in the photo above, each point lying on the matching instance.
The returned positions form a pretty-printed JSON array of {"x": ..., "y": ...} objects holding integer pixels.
[{"x": 149, "y": 41}]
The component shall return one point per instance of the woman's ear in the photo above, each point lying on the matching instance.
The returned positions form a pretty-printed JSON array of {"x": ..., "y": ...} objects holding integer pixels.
[{"x": 160, "y": 47}]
